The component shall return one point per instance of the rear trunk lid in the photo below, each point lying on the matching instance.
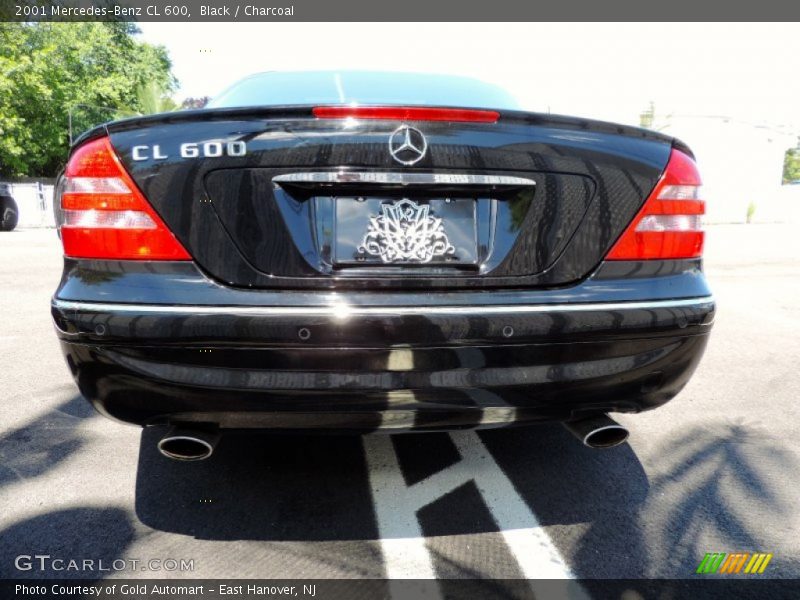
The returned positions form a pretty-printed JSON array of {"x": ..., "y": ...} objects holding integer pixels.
[{"x": 279, "y": 198}]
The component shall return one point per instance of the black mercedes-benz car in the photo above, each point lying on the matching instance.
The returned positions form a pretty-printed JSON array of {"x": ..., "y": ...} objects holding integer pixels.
[{"x": 362, "y": 251}]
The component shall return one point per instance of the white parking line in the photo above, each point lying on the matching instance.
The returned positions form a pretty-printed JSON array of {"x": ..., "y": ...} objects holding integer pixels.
[
  {"x": 396, "y": 505},
  {"x": 530, "y": 545},
  {"x": 402, "y": 543}
]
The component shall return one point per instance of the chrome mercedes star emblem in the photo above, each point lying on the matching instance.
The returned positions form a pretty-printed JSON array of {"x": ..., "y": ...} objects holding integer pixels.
[
  {"x": 406, "y": 231},
  {"x": 407, "y": 145}
]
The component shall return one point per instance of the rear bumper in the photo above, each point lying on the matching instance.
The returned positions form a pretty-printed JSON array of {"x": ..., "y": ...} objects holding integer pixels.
[{"x": 350, "y": 366}]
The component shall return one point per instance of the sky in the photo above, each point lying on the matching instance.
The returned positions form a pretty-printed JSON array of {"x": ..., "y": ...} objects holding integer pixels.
[{"x": 747, "y": 72}]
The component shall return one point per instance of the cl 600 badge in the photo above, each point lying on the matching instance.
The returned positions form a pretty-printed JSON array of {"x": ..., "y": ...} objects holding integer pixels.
[{"x": 191, "y": 150}]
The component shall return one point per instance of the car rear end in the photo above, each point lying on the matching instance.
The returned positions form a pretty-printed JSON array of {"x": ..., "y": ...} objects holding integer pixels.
[{"x": 325, "y": 266}]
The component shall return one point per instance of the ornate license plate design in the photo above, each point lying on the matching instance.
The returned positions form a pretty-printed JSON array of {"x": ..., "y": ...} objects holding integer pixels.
[
  {"x": 406, "y": 232},
  {"x": 374, "y": 231}
]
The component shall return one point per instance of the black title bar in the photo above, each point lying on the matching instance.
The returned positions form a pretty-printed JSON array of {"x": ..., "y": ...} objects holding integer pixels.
[
  {"x": 196, "y": 11},
  {"x": 699, "y": 587}
]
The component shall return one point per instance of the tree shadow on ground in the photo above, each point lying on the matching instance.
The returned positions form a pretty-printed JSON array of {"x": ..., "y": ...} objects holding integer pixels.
[
  {"x": 97, "y": 534},
  {"x": 720, "y": 487},
  {"x": 44, "y": 443},
  {"x": 712, "y": 488}
]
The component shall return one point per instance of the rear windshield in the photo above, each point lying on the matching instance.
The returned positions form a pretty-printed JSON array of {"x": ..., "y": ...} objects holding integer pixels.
[{"x": 363, "y": 88}]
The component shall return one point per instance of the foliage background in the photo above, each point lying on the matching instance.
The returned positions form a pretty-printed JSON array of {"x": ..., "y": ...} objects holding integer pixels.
[
  {"x": 99, "y": 71},
  {"x": 791, "y": 166}
]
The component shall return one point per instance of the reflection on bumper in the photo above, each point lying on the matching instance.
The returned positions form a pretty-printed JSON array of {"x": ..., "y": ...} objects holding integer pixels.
[
  {"x": 337, "y": 325},
  {"x": 410, "y": 367}
]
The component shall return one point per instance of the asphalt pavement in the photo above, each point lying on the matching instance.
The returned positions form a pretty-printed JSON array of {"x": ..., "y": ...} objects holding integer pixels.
[{"x": 715, "y": 470}]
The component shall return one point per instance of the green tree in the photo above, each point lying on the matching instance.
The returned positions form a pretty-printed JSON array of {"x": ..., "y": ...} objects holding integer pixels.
[
  {"x": 791, "y": 165},
  {"x": 153, "y": 100},
  {"x": 96, "y": 71}
]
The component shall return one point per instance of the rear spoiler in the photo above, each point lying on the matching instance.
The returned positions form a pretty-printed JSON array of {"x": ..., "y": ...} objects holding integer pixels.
[{"x": 306, "y": 111}]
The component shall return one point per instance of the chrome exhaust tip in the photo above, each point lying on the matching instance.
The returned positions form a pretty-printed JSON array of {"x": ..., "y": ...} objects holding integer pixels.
[
  {"x": 598, "y": 432},
  {"x": 188, "y": 444}
]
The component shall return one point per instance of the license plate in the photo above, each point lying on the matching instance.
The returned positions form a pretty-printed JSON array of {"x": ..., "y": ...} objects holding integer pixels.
[{"x": 405, "y": 231}]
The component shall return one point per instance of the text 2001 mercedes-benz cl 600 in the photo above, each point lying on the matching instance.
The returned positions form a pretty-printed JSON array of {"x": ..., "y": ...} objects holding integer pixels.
[{"x": 366, "y": 251}]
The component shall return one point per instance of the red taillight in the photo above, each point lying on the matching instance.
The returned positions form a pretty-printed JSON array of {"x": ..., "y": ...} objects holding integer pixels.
[
  {"x": 104, "y": 215},
  {"x": 669, "y": 224},
  {"x": 406, "y": 113}
]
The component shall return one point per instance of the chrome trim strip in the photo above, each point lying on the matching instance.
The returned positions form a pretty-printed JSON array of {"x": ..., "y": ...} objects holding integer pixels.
[
  {"x": 342, "y": 310},
  {"x": 400, "y": 178}
]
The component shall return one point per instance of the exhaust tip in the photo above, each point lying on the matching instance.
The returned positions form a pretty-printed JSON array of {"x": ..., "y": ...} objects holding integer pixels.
[
  {"x": 188, "y": 445},
  {"x": 598, "y": 432},
  {"x": 606, "y": 437}
]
